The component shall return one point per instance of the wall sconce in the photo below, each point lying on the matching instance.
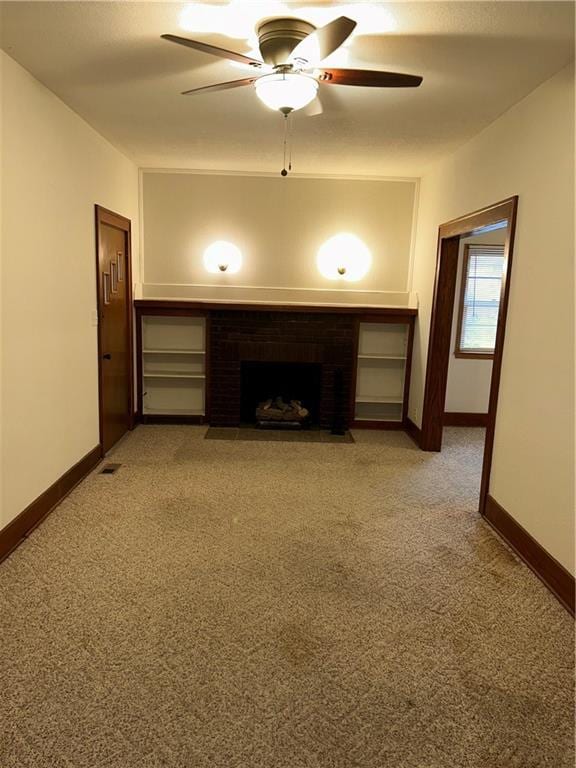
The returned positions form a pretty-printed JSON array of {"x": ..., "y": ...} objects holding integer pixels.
[
  {"x": 345, "y": 257},
  {"x": 222, "y": 256}
]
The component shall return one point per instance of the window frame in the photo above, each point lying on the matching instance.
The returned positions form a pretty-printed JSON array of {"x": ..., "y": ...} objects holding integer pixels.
[{"x": 460, "y": 353}]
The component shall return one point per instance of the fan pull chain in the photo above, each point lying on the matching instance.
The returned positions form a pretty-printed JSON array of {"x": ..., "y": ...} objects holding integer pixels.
[
  {"x": 290, "y": 142},
  {"x": 284, "y": 172},
  {"x": 287, "y": 144}
]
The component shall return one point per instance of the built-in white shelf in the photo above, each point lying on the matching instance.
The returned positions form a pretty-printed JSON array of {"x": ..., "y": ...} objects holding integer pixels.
[
  {"x": 383, "y": 339},
  {"x": 173, "y": 412},
  {"x": 377, "y": 417},
  {"x": 381, "y": 357},
  {"x": 381, "y": 371},
  {"x": 174, "y": 376},
  {"x": 379, "y": 411},
  {"x": 173, "y": 352},
  {"x": 173, "y": 365}
]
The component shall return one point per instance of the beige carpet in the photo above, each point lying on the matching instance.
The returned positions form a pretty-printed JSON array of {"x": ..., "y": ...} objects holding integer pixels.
[
  {"x": 223, "y": 604},
  {"x": 267, "y": 435}
]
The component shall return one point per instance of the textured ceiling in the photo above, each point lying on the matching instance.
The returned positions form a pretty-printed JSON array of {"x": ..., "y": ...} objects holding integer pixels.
[{"x": 107, "y": 61}]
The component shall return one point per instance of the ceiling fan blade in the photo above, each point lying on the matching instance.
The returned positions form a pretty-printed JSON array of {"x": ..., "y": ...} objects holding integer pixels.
[
  {"x": 369, "y": 78},
  {"x": 323, "y": 41},
  {"x": 213, "y": 49},
  {"x": 222, "y": 86},
  {"x": 314, "y": 108}
]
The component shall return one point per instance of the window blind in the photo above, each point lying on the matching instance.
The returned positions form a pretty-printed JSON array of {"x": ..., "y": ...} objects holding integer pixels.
[{"x": 481, "y": 299}]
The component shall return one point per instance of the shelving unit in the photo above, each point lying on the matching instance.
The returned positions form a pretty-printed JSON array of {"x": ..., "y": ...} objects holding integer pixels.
[
  {"x": 383, "y": 350},
  {"x": 173, "y": 367},
  {"x": 189, "y": 371}
]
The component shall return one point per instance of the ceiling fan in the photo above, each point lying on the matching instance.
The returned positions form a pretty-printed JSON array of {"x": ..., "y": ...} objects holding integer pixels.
[{"x": 288, "y": 75}]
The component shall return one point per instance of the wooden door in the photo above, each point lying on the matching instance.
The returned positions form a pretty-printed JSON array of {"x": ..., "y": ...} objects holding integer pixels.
[{"x": 114, "y": 326}]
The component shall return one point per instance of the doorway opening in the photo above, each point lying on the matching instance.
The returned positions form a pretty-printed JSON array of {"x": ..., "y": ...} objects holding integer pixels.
[
  {"x": 115, "y": 345},
  {"x": 468, "y": 325}
]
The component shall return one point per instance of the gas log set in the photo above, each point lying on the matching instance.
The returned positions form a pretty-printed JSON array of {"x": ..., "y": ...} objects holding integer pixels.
[{"x": 276, "y": 413}]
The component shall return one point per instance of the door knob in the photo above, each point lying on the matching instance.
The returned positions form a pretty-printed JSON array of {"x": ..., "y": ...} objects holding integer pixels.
[{"x": 107, "y": 356}]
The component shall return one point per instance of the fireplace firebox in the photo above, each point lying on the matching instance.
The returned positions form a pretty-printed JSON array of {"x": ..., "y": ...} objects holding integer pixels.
[{"x": 289, "y": 382}]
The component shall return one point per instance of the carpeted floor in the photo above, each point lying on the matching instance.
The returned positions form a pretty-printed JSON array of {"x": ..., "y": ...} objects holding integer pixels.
[
  {"x": 265, "y": 435},
  {"x": 223, "y": 604}
]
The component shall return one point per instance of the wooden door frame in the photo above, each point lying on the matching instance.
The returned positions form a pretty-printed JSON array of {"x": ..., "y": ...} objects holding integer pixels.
[
  {"x": 104, "y": 216},
  {"x": 449, "y": 235}
]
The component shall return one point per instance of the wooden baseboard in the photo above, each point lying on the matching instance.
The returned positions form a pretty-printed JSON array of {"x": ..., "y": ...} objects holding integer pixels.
[
  {"x": 151, "y": 419},
  {"x": 548, "y": 570},
  {"x": 413, "y": 431},
  {"x": 24, "y": 523},
  {"x": 365, "y": 424},
  {"x": 456, "y": 419}
]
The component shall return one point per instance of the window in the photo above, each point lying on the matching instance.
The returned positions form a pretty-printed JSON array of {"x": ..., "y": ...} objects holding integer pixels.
[{"x": 479, "y": 300}]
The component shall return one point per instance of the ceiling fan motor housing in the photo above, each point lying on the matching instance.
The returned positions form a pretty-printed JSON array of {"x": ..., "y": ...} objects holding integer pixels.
[{"x": 278, "y": 38}]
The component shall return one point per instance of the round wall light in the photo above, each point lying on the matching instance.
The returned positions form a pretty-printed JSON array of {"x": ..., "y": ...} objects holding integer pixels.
[
  {"x": 344, "y": 257},
  {"x": 222, "y": 256}
]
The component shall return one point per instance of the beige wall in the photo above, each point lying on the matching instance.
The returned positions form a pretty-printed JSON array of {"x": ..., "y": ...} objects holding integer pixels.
[
  {"x": 529, "y": 151},
  {"x": 278, "y": 224},
  {"x": 468, "y": 385},
  {"x": 54, "y": 169}
]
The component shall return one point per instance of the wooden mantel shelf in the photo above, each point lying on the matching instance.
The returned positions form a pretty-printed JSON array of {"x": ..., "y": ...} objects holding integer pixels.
[{"x": 199, "y": 306}]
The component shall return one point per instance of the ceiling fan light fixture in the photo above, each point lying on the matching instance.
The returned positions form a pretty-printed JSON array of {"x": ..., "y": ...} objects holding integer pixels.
[{"x": 286, "y": 92}]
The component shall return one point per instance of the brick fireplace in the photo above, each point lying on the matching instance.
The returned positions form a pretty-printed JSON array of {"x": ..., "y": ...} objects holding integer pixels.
[{"x": 253, "y": 336}]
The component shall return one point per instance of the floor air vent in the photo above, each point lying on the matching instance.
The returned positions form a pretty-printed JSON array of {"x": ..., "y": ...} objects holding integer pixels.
[{"x": 109, "y": 469}]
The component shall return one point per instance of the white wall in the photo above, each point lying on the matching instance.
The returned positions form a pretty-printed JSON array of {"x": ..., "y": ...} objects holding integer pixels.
[
  {"x": 278, "y": 224},
  {"x": 468, "y": 385},
  {"x": 529, "y": 151},
  {"x": 54, "y": 169}
]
